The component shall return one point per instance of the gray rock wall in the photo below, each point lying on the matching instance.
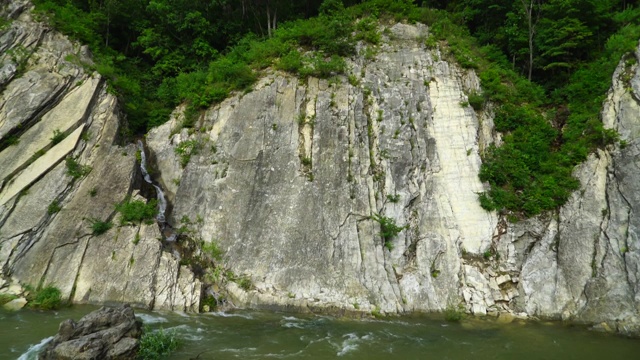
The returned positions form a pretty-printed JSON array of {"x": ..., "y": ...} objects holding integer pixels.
[
  {"x": 46, "y": 89},
  {"x": 289, "y": 179}
]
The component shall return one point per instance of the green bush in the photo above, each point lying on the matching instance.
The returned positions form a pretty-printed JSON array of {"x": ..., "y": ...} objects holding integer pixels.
[
  {"x": 476, "y": 100},
  {"x": 185, "y": 150},
  {"x": 157, "y": 344},
  {"x": 137, "y": 211},
  {"x": 57, "y": 137},
  {"x": 291, "y": 62},
  {"x": 393, "y": 198},
  {"x": 9, "y": 141},
  {"x": 99, "y": 227},
  {"x": 75, "y": 169},
  {"x": 453, "y": 314},
  {"x": 367, "y": 30},
  {"x": 47, "y": 298},
  {"x": 388, "y": 227},
  {"x": 54, "y": 207},
  {"x": 212, "y": 250}
]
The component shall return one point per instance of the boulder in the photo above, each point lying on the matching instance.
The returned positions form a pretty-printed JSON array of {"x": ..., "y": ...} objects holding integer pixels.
[
  {"x": 15, "y": 304},
  {"x": 107, "y": 333}
]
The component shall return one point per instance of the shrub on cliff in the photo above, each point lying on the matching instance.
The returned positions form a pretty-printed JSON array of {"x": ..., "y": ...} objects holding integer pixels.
[
  {"x": 99, "y": 227},
  {"x": 137, "y": 211}
]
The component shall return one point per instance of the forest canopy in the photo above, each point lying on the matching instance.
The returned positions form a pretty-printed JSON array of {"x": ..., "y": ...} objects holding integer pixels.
[{"x": 545, "y": 65}]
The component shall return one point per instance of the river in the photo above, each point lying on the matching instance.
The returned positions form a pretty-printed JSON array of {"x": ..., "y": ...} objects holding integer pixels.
[{"x": 264, "y": 335}]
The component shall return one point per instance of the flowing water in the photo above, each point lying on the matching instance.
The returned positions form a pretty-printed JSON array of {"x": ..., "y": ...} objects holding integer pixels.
[
  {"x": 162, "y": 202},
  {"x": 262, "y": 335}
]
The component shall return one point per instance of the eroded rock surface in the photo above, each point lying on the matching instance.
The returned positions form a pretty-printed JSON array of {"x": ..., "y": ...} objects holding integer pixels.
[
  {"x": 46, "y": 212},
  {"x": 107, "y": 333},
  {"x": 289, "y": 178},
  {"x": 356, "y": 194}
]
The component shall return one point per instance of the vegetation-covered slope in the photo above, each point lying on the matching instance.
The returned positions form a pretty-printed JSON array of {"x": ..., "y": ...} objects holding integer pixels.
[{"x": 158, "y": 53}]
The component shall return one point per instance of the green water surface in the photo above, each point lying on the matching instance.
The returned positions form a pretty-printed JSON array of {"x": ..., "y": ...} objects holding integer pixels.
[{"x": 263, "y": 335}]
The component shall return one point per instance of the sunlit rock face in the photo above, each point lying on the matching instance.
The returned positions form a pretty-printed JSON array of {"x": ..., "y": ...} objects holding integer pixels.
[
  {"x": 51, "y": 109},
  {"x": 291, "y": 177},
  {"x": 355, "y": 193}
]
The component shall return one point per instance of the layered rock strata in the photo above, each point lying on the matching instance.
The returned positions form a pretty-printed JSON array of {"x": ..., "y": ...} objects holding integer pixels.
[
  {"x": 356, "y": 193},
  {"x": 107, "y": 333},
  {"x": 61, "y": 170}
]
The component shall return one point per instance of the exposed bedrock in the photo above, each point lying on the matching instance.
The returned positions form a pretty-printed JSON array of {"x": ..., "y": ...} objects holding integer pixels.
[
  {"x": 52, "y": 191},
  {"x": 351, "y": 194}
]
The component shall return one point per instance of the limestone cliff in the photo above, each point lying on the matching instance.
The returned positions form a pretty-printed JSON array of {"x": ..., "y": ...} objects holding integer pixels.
[
  {"x": 355, "y": 193},
  {"x": 46, "y": 213}
]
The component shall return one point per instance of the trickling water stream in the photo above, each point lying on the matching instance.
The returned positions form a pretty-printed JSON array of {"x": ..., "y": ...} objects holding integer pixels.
[
  {"x": 165, "y": 228},
  {"x": 162, "y": 201},
  {"x": 262, "y": 335}
]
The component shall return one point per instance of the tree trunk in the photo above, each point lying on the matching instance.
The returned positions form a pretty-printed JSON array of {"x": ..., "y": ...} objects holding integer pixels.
[{"x": 528, "y": 9}]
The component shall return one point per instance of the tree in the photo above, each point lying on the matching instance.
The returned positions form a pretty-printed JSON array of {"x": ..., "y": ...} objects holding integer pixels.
[{"x": 532, "y": 9}]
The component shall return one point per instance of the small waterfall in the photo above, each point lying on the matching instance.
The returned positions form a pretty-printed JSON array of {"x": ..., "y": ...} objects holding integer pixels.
[{"x": 162, "y": 202}]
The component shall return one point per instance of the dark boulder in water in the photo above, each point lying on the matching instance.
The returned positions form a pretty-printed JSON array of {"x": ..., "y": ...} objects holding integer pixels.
[{"x": 107, "y": 333}]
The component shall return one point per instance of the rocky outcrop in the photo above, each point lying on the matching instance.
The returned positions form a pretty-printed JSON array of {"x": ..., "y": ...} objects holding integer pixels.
[
  {"x": 107, "y": 333},
  {"x": 290, "y": 178},
  {"x": 61, "y": 169},
  {"x": 584, "y": 265},
  {"x": 356, "y": 193}
]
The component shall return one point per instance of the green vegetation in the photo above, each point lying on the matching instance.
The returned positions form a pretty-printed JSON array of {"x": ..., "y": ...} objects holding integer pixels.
[
  {"x": 54, "y": 207},
  {"x": 157, "y": 344},
  {"x": 393, "y": 198},
  {"x": 185, "y": 150},
  {"x": 545, "y": 67},
  {"x": 388, "y": 229},
  {"x": 75, "y": 170},
  {"x": 306, "y": 161},
  {"x": 476, "y": 100},
  {"x": 47, "y": 298},
  {"x": 99, "y": 227},
  {"x": 9, "y": 141},
  {"x": 243, "y": 281},
  {"x": 57, "y": 137},
  {"x": 453, "y": 314},
  {"x": 212, "y": 250},
  {"x": 137, "y": 211},
  {"x": 552, "y": 124},
  {"x": 376, "y": 313}
]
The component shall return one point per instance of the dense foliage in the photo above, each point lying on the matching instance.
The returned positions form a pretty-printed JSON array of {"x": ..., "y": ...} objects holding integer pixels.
[
  {"x": 545, "y": 65},
  {"x": 47, "y": 298},
  {"x": 570, "y": 48},
  {"x": 137, "y": 211},
  {"x": 157, "y": 344}
]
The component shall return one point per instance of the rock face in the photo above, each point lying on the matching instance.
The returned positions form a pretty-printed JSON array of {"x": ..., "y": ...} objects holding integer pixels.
[
  {"x": 584, "y": 264},
  {"x": 46, "y": 214},
  {"x": 352, "y": 194},
  {"x": 107, "y": 333},
  {"x": 290, "y": 178}
]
